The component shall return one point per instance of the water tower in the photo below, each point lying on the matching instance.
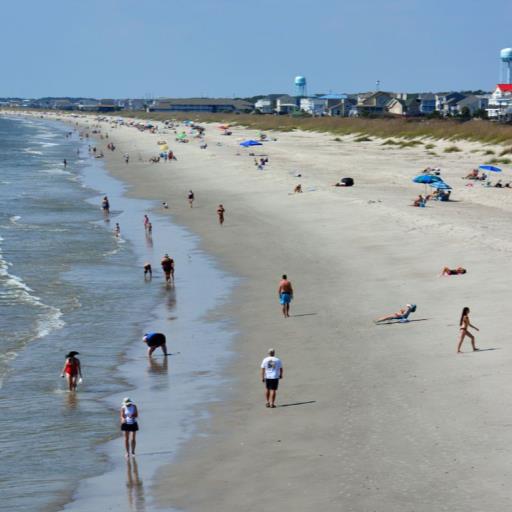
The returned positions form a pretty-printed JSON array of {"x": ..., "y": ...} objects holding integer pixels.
[
  {"x": 506, "y": 65},
  {"x": 300, "y": 86}
]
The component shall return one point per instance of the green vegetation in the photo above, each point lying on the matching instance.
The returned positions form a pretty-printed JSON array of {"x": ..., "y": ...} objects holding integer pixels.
[
  {"x": 452, "y": 149},
  {"x": 506, "y": 151},
  {"x": 337, "y": 139},
  {"x": 390, "y": 142},
  {"x": 362, "y": 138},
  {"x": 505, "y": 161},
  {"x": 488, "y": 152},
  {"x": 430, "y": 146}
]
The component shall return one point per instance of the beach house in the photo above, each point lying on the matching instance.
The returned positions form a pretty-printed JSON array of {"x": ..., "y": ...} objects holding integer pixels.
[
  {"x": 446, "y": 103},
  {"x": 500, "y": 101},
  {"x": 313, "y": 106},
  {"x": 372, "y": 103}
]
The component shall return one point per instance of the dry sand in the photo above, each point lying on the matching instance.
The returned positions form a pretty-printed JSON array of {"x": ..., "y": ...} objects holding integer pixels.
[{"x": 370, "y": 418}]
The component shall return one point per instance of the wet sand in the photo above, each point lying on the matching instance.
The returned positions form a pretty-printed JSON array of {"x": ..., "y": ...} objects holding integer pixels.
[{"x": 369, "y": 417}]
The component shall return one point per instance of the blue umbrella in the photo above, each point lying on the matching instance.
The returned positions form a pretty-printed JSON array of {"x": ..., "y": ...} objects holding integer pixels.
[
  {"x": 247, "y": 143},
  {"x": 440, "y": 185},
  {"x": 489, "y": 168},
  {"x": 426, "y": 179}
]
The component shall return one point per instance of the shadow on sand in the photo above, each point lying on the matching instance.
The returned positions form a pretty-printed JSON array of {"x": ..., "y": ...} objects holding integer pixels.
[
  {"x": 393, "y": 322},
  {"x": 297, "y": 403}
]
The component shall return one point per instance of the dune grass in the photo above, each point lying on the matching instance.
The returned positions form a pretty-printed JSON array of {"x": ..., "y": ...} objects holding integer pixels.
[
  {"x": 362, "y": 138},
  {"x": 504, "y": 161},
  {"x": 488, "y": 152},
  {"x": 452, "y": 149}
]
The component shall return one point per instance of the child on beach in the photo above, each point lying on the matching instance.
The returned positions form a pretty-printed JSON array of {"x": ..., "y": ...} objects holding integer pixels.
[
  {"x": 148, "y": 271},
  {"x": 117, "y": 230},
  {"x": 190, "y": 198}
]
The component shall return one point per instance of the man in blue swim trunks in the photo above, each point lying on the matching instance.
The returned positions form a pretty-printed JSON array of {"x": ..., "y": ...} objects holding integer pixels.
[
  {"x": 154, "y": 340},
  {"x": 285, "y": 293}
]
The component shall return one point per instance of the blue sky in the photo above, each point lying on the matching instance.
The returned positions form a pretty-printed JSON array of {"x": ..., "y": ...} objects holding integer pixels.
[{"x": 128, "y": 48}]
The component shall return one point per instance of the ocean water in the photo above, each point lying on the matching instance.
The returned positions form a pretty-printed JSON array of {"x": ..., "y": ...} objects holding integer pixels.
[
  {"x": 67, "y": 283},
  {"x": 63, "y": 287}
]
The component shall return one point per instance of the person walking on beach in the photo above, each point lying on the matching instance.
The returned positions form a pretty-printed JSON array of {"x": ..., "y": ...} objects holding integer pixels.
[
  {"x": 285, "y": 294},
  {"x": 128, "y": 416},
  {"x": 191, "y": 198},
  {"x": 155, "y": 340},
  {"x": 65, "y": 162},
  {"x": 146, "y": 222},
  {"x": 465, "y": 324},
  {"x": 117, "y": 230},
  {"x": 72, "y": 370},
  {"x": 220, "y": 213},
  {"x": 271, "y": 373},
  {"x": 168, "y": 268},
  {"x": 105, "y": 205}
]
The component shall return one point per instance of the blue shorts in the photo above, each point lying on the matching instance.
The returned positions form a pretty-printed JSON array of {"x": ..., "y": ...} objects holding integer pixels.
[{"x": 285, "y": 298}]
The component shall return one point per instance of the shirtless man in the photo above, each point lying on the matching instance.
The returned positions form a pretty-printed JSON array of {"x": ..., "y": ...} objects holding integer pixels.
[
  {"x": 191, "y": 198},
  {"x": 168, "y": 268},
  {"x": 285, "y": 293},
  {"x": 220, "y": 212}
]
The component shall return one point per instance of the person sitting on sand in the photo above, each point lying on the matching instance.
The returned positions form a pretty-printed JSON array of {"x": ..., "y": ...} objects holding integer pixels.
[
  {"x": 473, "y": 175},
  {"x": 419, "y": 201},
  {"x": 298, "y": 189},
  {"x": 402, "y": 314},
  {"x": 453, "y": 271},
  {"x": 498, "y": 184}
]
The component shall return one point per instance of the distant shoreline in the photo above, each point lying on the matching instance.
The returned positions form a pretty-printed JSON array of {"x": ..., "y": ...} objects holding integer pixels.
[{"x": 476, "y": 130}]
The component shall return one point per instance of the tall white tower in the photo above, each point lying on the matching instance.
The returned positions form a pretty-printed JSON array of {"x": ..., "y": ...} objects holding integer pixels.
[{"x": 506, "y": 65}]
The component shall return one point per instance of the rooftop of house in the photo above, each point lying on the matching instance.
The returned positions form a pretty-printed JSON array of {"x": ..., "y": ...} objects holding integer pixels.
[
  {"x": 203, "y": 101},
  {"x": 505, "y": 87}
]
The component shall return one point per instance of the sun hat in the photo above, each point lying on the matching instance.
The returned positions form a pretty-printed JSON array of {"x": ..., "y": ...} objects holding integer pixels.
[{"x": 127, "y": 401}]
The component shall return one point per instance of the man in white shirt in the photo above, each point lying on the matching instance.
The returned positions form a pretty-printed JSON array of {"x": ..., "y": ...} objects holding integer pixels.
[{"x": 271, "y": 372}]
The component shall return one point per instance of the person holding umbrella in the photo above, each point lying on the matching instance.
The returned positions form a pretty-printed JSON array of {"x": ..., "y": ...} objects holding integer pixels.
[{"x": 72, "y": 370}]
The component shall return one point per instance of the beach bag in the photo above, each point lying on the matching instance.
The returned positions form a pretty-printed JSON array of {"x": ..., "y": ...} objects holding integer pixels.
[{"x": 348, "y": 181}]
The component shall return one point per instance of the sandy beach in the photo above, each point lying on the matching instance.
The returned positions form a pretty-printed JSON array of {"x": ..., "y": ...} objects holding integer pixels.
[{"x": 369, "y": 417}]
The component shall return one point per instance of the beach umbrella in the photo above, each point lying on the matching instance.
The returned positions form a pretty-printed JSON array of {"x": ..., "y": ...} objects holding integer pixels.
[
  {"x": 489, "y": 168},
  {"x": 250, "y": 142},
  {"x": 440, "y": 185},
  {"x": 426, "y": 179}
]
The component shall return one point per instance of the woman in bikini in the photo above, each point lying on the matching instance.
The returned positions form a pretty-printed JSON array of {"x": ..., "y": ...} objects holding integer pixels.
[
  {"x": 465, "y": 324},
  {"x": 72, "y": 370}
]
